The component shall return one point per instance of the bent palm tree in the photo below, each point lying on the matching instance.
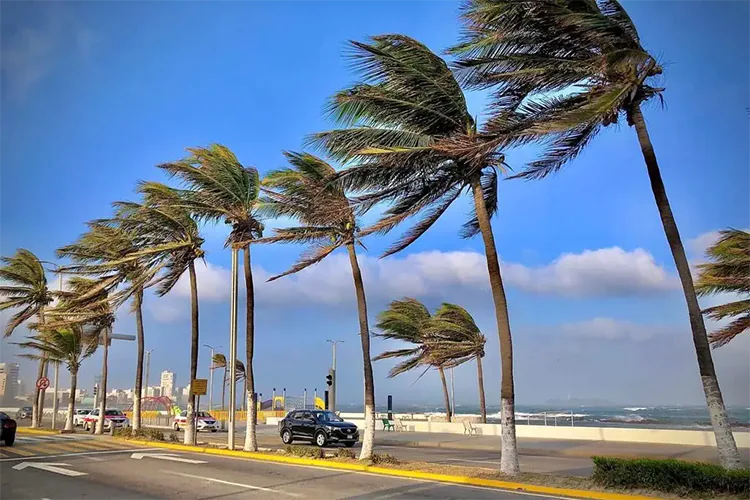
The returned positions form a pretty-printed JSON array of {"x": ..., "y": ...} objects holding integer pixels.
[
  {"x": 168, "y": 238},
  {"x": 409, "y": 129},
  {"x": 453, "y": 338},
  {"x": 25, "y": 288},
  {"x": 406, "y": 320},
  {"x": 304, "y": 192},
  {"x": 91, "y": 254},
  {"x": 728, "y": 273},
  {"x": 65, "y": 345},
  {"x": 581, "y": 65},
  {"x": 220, "y": 361},
  {"x": 222, "y": 189}
]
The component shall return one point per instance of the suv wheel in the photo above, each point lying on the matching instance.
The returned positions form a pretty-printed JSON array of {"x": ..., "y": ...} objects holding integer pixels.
[
  {"x": 286, "y": 436},
  {"x": 320, "y": 439}
]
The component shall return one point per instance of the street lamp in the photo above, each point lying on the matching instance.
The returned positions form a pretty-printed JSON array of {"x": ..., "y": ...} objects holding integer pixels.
[
  {"x": 211, "y": 378},
  {"x": 148, "y": 369},
  {"x": 332, "y": 393}
]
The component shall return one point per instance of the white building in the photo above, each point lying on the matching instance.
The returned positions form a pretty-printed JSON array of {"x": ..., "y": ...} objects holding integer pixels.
[
  {"x": 8, "y": 382},
  {"x": 167, "y": 383},
  {"x": 153, "y": 391}
]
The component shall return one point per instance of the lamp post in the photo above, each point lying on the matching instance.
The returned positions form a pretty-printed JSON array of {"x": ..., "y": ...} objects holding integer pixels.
[
  {"x": 148, "y": 368},
  {"x": 211, "y": 378},
  {"x": 332, "y": 391},
  {"x": 233, "y": 348}
]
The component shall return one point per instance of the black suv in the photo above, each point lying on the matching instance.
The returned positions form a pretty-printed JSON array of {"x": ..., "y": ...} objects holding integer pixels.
[{"x": 320, "y": 427}]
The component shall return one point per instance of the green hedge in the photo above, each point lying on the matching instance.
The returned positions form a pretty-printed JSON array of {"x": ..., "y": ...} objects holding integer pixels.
[{"x": 671, "y": 476}]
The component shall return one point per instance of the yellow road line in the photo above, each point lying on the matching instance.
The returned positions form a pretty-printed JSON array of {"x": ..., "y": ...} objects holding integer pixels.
[
  {"x": 48, "y": 448},
  {"x": 100, "y": 443},
  {"x": 11, "y": 452},
  {"x": 81, "y": 445}
]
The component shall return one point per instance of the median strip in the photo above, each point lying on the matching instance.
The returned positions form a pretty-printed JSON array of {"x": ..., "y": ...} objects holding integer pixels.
[{"x": 411, "y": 474}]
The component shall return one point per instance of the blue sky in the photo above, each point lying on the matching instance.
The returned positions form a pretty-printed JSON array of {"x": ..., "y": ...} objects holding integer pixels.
[{"x": 95, "y": 94}]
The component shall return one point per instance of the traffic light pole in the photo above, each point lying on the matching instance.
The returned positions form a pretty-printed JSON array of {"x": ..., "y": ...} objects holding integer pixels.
[{"x": 332, "y": 372}]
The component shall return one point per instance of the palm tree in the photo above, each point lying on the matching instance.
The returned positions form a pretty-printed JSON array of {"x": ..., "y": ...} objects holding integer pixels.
[
  {"x": 728, "y": 273},
  {"x": 409, "y": 128},
  {"x": 562, "y": 71},
  {"x": 407, "y": 320},
  {"x": 87, "y": 302},
  {"x": 452, "y": 338},
  {"x": 168, "y": 238},
  {"x": 222, "y": 189},
  {"x": 25, "y": 286},
  {"x": 304, "y": 192},
  {"x": 220, "y": 361},
  {"x": 64, "y": 345},
  {"x": 91, "y": 254}
]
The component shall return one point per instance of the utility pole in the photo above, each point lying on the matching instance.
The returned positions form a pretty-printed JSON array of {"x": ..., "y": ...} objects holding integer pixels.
[
  {"x": 332, "y": 389},
  {"x": 233, "y": 348},
  {"x": 148, "y": 369},
  {"x": 211, "y": 378},
  {"x": 57, "y": 368}
]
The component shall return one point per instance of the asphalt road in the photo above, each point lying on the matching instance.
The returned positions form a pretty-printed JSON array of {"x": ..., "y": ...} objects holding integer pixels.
[{"x": 124, "y": 472}]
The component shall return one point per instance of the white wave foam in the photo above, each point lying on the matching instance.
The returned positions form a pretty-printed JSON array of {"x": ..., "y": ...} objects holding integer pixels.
[{"x": 636, "y": 408}]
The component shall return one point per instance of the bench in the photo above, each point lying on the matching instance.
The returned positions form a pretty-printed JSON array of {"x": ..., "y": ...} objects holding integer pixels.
[
  {"x": 387, "y": 425},
  {"x": 469, "y": 428}
]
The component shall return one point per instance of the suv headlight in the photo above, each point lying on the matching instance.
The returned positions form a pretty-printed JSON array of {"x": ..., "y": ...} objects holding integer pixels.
[{"x": 329, "y": 428}]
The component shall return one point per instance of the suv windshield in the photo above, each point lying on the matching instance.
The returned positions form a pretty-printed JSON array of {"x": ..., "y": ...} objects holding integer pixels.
[
  {"x": 327, "y": 416},
  {"x": 113, "y": 412}
]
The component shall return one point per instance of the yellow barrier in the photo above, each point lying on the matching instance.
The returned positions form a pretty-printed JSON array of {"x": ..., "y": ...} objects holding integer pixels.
[{"x": 239, "y": 416}]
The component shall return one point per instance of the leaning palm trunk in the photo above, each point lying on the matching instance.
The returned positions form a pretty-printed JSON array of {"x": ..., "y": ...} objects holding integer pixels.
[
  {"x": 72, "y": 400},
  {"x": 138, "y": 306},
  {"x": 224, "y": 389},
  {"x": 368, "y": 439},
  {"x": 509, "y": 452},
  {"x": 35, "y": 408},
  {"x": 251, "y": 443},
  {"x": 480, "y": 381},
  {"x": 191, "y": 409},
  {"x": 446, "y": 396},
  {"x": 726, "y": 446},
  {"x": 103, "y": 386}
]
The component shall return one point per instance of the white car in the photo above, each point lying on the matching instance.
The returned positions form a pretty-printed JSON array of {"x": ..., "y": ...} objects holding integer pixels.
[
  {"x": 205, "y": 422},
  {"x": 111, "y": 417},
  {"x": 79, "y": 415}
]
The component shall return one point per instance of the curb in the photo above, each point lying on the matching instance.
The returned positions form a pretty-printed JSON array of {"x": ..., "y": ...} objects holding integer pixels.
[
  {"x": 28, "y": 430},
  {"x": 429, "y": 476}
]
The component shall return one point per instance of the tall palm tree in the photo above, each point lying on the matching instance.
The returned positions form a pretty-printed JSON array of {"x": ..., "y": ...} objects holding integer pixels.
[
  {"x": 24, "y": 287},
  {"x": 407, "y": 320},
  {"x": 452, "y": 338},
  {"x": 220, "y": 361},
  {"x": 567, "y": 69},
  {"x": 87, "y": 302},
  {"x": 64, "y": 345},
  {"x": 222, "y": 189},
  {"x": 727, "y": 273},
  {"x": 327, "y": 222},
  {"x": 409, "y": 127},
  {"x": 91, "y": 254},
  {"x": 168, "y": 238}
]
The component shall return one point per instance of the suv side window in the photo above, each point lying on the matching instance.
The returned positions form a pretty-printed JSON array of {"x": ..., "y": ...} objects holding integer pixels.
[{"x": 306, "y": 415}]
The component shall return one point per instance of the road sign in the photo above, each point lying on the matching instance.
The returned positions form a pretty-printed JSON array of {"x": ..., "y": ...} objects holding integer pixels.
[
  {"x": 198, "y": 386},
  {"x": 42, "y": 383}
]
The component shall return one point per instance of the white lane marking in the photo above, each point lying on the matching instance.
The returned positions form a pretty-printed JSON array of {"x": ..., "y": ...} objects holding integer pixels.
[
  {"x": 166, "y": 456},
  {"x": 56, "y": 467},
  {"x": 230, "y": 483},
  {"x": 77, "y": 454}
]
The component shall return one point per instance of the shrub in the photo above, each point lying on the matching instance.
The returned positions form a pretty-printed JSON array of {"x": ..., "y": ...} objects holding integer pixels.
[
  {"x": 174, "y": 438},
  {"x": 305, "y": 451},
  {"x": 344, "y": 453},
  {"x": 384, "y": 458},
  {"x": 122, "y": 431},
  {"x": 671, "y": 476}
]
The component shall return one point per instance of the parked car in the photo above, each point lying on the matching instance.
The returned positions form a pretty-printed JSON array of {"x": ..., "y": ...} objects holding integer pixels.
[
  {"x": 319, "y": 426},
  {"x": 111, "y": 417},
  {"x": 24, "y": 412},
  {"x": 7, "y": 429},
  {"x": 79, "y": 416},
  {"x": 205, "y": 422}
]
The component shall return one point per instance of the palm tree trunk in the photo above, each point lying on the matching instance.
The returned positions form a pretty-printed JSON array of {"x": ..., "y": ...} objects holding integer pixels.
[
  {"x": 72, "y": 400},
  {"x": 251, "y": 443},
  {"x": 103, "y": 385},
  {"x": 446, "y": 396},
  {"x": 368, "y": 439},
  {"x": 190, "y": 427},
  {"x": 726, "y": 446},
  {"x": 509, "y": 456},
  {"x": 35, "y": 408},
  {"x": 480, "y": 381},
  {"x": 138, "y": 306}
]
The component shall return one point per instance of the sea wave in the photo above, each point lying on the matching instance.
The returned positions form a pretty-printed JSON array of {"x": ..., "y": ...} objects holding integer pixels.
[
  {"x": 636, "y": 408},
  {"x": 629, "y": 419}
]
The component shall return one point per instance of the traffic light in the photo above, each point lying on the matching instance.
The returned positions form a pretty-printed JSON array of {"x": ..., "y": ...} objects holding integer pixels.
[
  {"x": 95, "y": 387},
  {"x": 329, "y": 380}
]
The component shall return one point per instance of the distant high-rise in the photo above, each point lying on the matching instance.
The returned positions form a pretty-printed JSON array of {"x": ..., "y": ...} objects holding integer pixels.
[
  {"x": 167, "y": 383},
  {"x": 8, "y": 382}
]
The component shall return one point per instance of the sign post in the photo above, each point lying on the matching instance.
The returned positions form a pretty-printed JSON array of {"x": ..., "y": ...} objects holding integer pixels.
[
  {"x": 42, "y": 383},
  {"x": 198, "y": 387}
]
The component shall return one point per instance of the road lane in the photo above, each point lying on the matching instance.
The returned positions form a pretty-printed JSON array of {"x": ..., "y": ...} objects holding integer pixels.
[{"x": 118, "y": 476}]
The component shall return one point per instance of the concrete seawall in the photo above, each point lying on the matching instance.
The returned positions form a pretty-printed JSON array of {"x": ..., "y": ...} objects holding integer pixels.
[{"x": 606, "y": 434}]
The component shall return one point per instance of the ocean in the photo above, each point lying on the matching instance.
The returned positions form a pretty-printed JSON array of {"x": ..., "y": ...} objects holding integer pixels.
[{"x": 656, "y": 417}]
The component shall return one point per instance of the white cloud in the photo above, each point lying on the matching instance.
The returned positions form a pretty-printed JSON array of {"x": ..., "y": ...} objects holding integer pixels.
[
  {"x": 697, "y": 246},
  {"x": 612, "y": 329}
]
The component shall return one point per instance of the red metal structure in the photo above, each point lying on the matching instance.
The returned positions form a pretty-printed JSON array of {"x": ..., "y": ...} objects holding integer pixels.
[{"x": 150, "y": 403}]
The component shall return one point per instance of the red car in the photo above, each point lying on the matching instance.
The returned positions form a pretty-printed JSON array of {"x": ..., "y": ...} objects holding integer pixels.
[{"x": 111, "y": 417}]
